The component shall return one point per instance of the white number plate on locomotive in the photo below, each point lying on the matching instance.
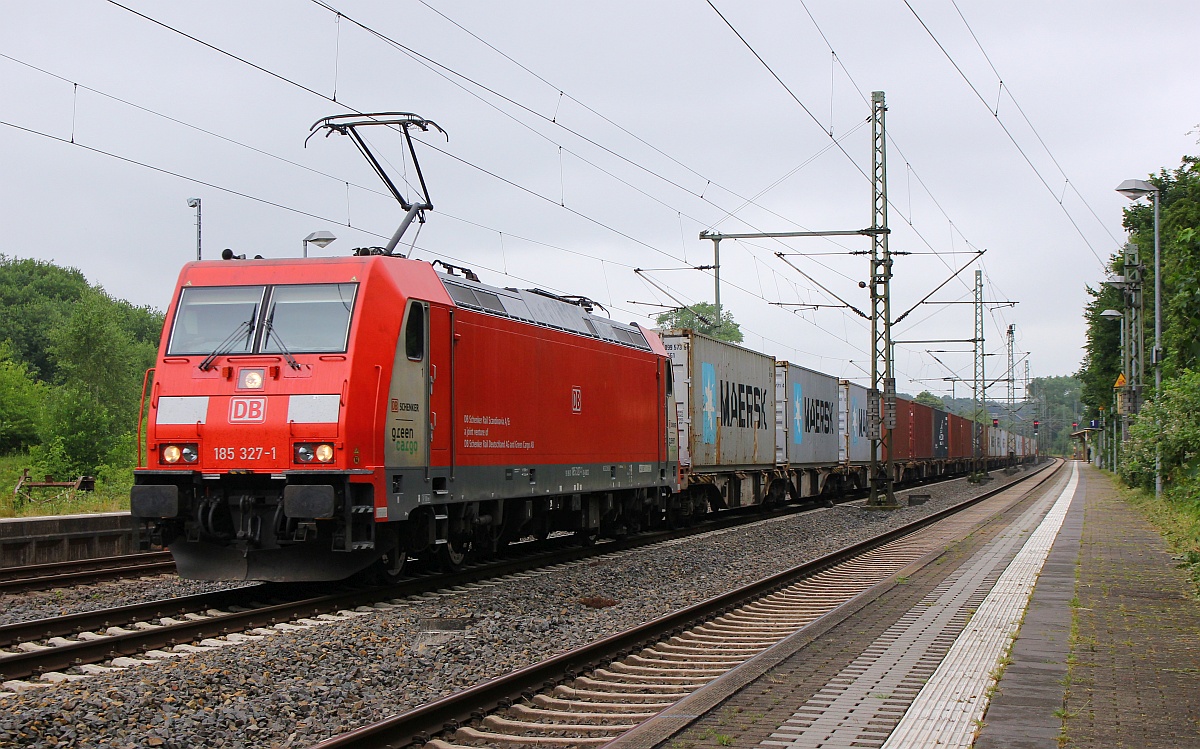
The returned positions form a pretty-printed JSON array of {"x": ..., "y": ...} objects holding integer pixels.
[{"x": 243, "y": 453}]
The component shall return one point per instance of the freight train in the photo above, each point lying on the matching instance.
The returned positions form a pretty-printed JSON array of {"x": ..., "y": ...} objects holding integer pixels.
[{"x": 311, "y": 419}]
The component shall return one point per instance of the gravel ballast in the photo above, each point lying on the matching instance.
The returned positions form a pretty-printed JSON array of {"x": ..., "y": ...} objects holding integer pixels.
[
  {"x": 297, "y": 687},
  {"x": 44, "y": 604}
]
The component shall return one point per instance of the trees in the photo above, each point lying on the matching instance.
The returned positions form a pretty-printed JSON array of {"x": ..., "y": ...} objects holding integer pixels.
[
  {"x": 1179, "y": 207},
  {"x": 71, "y": 370},
  {"x": 21, "y": 403},
  {"x": 35, "y": 297},
  {"x": 1170, "y": 423},
  {"x": 702, "y": 317},
  {"x": 927, "y": 398}
]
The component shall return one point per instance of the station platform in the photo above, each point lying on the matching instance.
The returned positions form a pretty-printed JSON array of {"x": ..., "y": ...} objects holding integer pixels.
[{"x": 1066, "y": 594}]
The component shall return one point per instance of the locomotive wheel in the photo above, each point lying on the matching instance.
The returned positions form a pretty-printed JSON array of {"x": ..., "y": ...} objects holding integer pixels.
[
  {"x": 453, "y": 554},
  {"x": 392, "y": 564}
]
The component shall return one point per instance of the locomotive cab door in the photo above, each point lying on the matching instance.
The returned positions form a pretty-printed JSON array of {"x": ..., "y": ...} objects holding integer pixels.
[{"x": 408, "y": 415}]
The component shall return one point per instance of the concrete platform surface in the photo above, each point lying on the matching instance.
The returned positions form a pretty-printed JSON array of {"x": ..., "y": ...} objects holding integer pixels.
[{"x": 1129, "y": 675}]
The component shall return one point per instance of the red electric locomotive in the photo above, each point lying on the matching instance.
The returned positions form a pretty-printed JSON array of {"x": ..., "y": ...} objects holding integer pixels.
[
  {"x": 312, "y": 418},
  {"x": 309, "y": 418}
]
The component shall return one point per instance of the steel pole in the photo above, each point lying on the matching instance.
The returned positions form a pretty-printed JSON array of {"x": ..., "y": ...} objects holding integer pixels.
[
  {"x": 717, "y": 279},
  {"x": 1157, "y": 355}
]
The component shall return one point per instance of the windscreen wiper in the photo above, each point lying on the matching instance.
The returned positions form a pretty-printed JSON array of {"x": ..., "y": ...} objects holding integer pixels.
[
  {"x": 224, "y": 346},
  {"x": 269, "y": 331}
]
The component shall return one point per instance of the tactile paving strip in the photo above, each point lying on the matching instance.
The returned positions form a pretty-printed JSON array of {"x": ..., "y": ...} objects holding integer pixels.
[
  {"x": 948, "y": 709},
  {"x": 864, "y": 704}
]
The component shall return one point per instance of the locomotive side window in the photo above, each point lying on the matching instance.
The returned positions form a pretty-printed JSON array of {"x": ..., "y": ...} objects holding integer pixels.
[
  {"x": 308, "y": 318},
  {"x": 212, "y": 317},
  {"x": 414, "y": 332}
]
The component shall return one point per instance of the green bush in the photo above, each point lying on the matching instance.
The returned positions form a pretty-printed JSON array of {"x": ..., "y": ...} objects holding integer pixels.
[
  {"x": 21, "y": 401},
  {"x": 78, "y": 433},
  {"x": 1177, "y": 412}
]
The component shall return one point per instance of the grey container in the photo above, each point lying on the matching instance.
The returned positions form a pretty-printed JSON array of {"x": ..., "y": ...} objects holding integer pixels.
[
  {"x": 807, "y": 417},
  {"x": 854, "y": 417},
  {"x": 725, "y": 395}
]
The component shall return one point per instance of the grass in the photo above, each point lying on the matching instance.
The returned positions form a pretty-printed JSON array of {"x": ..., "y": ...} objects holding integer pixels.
[
  {"x": 1178, "y": 521},
  {"x": 108, "y": 497}
]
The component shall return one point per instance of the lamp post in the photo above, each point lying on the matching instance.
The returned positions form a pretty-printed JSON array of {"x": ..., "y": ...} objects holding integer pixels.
[
  {"x": 195, "y": 203},
  {"x": 319, "y": 238},
  {"x": 1134, "y": 189},
  {"x": 1119, "y": 412}
]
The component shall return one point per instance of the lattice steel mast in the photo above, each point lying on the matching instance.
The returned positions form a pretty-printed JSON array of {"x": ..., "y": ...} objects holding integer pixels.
[
  {"x": 980, "y": 416},
  {"x": 882, "y": 378}
]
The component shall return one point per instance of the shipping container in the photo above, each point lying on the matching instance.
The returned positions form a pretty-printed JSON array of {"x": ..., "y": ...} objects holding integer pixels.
[
  {"x": 854, "y": 447},
  {"x": 807, "y": 420},
  {"x": 997, "y": 442},
  {"x": 725, "y": 396},
  {"x": 903, "y": 439},
  {"x": 961, "y": 445},
  {"x": 912, "y": 438},
  {"x": 922, "y": 432}
]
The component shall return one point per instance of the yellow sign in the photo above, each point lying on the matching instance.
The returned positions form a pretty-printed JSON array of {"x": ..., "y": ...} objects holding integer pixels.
[{"x": 1120, "y": 383}]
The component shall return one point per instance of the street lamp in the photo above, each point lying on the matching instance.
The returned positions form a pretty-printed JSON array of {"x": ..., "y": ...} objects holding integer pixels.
[
  {"x": 195, "y": 203},
  {"x": 1134, "y": 189},
  {"x": 1112, "y": 314},
  {"x": 319, "y": 238}
]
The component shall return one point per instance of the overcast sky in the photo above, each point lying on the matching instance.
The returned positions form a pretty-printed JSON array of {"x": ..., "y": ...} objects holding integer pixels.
[{"x": 589, "y": 139}]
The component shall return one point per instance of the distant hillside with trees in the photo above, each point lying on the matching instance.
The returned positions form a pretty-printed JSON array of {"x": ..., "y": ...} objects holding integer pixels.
[{"x": 72, "y": 360}]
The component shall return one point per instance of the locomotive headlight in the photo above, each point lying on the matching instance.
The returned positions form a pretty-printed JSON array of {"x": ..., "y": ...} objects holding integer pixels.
[
  {"x": 187, "y": 453},
  {"x": 250, "y": 379},
  {"x": 306, "y": 452}
]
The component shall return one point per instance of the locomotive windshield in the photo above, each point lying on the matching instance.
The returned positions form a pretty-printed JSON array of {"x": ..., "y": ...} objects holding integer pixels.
[
  {"x": 302, "y": 318},
  {"x": 208, "y": 317},
  {"x": 311, "y": 318}
]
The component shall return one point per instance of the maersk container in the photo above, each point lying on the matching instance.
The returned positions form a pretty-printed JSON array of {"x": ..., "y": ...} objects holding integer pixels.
[
  {"x": 725, "y": 396},
  {"x": 941, "y": 434},
  {"x": 853, "y": 420},
  {"x": 807, "y": 417}
]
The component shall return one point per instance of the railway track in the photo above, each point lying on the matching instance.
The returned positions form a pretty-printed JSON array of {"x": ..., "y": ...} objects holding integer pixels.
[
  {"x": 162, "y": 628},
  {"x": 588, "y": 696},
  {"x": 83, "y": 571},
  {"x": 52, "y": 645}
]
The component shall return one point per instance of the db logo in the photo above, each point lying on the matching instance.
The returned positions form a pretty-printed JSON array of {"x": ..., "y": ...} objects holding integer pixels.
[
  {"x": 576, "y": 400},
  {"x": 247, "y": 410},
  {"x": 395, "y": 405}
]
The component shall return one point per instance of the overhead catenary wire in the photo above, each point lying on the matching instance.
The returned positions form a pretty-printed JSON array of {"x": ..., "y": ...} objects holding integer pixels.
[
  {"x": 284, "y": 78},
  {"x": 1007, "y": 132},
  {"x": 1029, "y": 122}
]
